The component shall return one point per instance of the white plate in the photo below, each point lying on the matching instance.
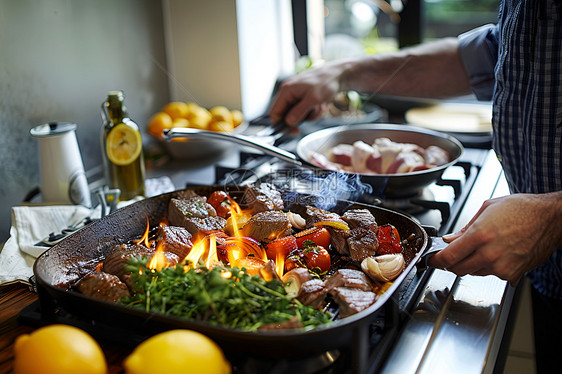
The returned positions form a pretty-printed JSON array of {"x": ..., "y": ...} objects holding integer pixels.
[{"x": 453, "y": 117}]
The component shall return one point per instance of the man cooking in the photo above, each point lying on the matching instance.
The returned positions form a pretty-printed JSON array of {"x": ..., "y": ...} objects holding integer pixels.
[{"x": 516, "y": 63}]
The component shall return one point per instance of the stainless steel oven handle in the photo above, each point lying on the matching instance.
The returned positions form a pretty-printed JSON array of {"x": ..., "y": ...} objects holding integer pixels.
[{"x": 239, "y": 139}]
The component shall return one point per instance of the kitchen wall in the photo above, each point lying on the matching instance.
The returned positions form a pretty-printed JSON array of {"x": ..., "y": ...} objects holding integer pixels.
[{"x": 58, "y": 59}]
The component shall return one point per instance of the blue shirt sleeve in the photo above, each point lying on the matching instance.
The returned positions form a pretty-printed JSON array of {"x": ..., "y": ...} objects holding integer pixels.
[{"x": 479, "y": 53}]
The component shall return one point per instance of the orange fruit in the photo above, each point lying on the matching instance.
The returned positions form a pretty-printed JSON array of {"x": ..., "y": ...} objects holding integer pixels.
[
  {"x": 158, "y": 123},
  {"x": 60, "y": 349}
]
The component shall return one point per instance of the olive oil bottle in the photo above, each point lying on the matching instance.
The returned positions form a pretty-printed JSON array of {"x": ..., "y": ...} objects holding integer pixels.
[{"x": 121, "y": 144}]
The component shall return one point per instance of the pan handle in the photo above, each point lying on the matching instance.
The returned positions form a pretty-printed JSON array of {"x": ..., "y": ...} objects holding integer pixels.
[
  {"x": 436, "y": 244},
  {"x": 239, "y": 139}
]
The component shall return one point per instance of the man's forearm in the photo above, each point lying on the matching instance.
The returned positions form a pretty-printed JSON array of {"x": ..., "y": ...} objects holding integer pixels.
[{"x": 430, "y": 70}]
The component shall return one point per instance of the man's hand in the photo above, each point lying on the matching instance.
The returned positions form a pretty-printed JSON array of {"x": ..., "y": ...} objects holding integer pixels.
[
  {"x": 306, "y": 96},
  {"x": 507, "y": 237}
]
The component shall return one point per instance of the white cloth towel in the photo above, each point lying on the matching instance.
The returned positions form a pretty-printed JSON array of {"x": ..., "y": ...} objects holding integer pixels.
[
  {"x": 30, "y": 225},
  {"x": 33, "y": 223}
]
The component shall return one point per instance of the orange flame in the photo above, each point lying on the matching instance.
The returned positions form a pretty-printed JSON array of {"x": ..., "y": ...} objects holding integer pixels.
[
  {"x": 158, "y": 260},
  {"x": 237, "y": 218},
  {"x": 207, "y": 245},
  {"x": 144, "y": 238},
  {"x": 212, "y": 258},
  {"x": 241, "y": 251},
  {"x": 279, "y": 263}
]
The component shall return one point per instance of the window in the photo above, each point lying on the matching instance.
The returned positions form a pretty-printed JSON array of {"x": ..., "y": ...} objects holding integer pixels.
[{"x": 371, "y": 26}]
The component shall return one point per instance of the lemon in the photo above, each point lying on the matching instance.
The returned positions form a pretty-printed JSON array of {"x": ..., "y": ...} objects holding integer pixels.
[
  {"x": 123, "y": 144},
  {"x": 200, "y": 122},
  {"x": 199, "y": 117},
  {"x": 177, "y": 352},
  {"x": 192, "y": 107},
  {"x": 180, "y": 122},
  {"x": 237, "y": 117},
  {"x": 60, "y": 349},
  {"x": 176, "y": 109},
  {"x": 221, "y": 113},
  {"x": 158, "y": 123},
  {"x": 220, "y": 126}
]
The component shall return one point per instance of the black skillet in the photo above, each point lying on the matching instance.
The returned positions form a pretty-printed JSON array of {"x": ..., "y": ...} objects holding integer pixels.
[{"x": 79, "y": 254}]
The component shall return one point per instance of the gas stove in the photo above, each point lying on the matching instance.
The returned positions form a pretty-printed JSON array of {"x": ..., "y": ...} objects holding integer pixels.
[{"x": 431, "y": 307}]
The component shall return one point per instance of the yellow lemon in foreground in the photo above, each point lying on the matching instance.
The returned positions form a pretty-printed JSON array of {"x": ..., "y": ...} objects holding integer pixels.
[
  {"x": 177, "y": 352},
  {"x": 58, "y": 349},
  {"x": 123, "y": 144}
]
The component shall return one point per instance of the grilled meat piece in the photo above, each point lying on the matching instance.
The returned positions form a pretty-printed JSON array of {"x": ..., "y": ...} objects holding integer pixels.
[
  {"x": 263, "y": 198},
  {"x": 352, "y": 300},
  {"x": 175, "y": 239},
  {"x": 194, "y": 214},
  {"x": 359, "y": 242},
  {"x": 360, "y": 218},
  {"x": 313, "y": 293},
  {"x": 350, "y": 278},
  {"x": 312, "y": 215},
  {"x": 362, "y": 243},
  {"x": 103, "y": 286},
  {"x": 119, "y": 256},
  {"x": 185, "y": 194},
  {"x": 338, "y": 240},
  {"x": 267, "y": 226}
]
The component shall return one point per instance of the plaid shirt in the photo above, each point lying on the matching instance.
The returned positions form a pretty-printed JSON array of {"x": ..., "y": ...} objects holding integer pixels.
[{"x": 517, "y": 64}]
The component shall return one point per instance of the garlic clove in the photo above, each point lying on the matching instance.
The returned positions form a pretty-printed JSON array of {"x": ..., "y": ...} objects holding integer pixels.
[
  {"x": 296, "y": 220},
  {"x": 384, "y": 268},
  {"x": 294, "y": 280}
]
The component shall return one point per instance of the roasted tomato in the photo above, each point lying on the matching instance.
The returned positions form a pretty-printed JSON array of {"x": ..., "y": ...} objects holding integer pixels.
[
  {"x": 281, "y": 246},
  {"x": 317, "y": 259},
  {"x": 319, "y": 235},
  {"x": 389, "y": 240},
  {"x": 221, "y": 202}
]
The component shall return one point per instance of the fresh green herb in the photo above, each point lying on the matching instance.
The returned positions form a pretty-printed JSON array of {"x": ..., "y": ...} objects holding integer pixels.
[
  {"x": 308, "y": 243},
  {"x": 240, "y": 301}
]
